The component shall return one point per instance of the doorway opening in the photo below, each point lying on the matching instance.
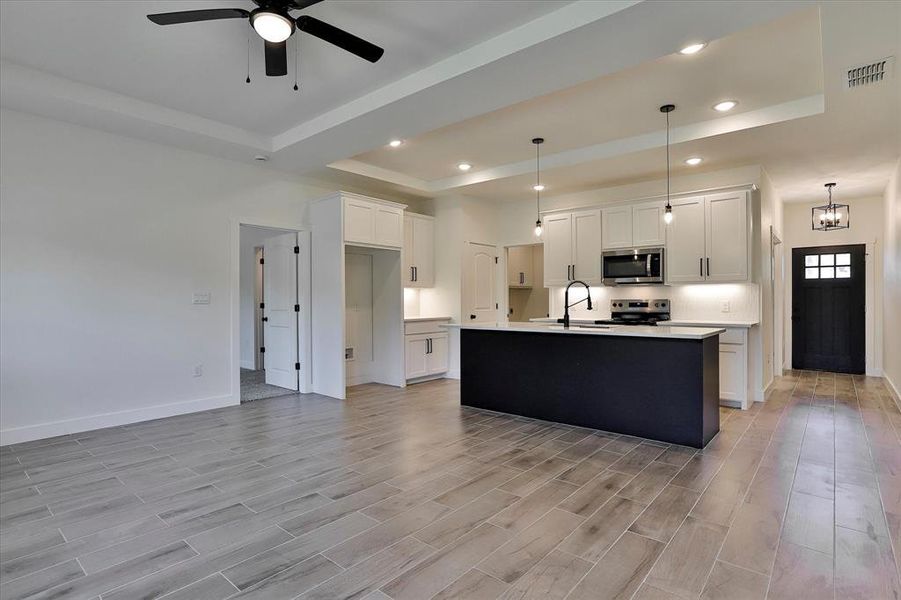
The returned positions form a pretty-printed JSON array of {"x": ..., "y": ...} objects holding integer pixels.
[
  {"x": 527, "y": 298},
  {"x": 269, "y": 312},
  {"x": 828, "y": 308}
]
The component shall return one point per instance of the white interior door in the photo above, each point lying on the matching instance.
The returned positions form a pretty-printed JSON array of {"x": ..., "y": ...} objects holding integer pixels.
[
  {"x": 480, "y": 293},
  {"x": 358, "y": 317},
  {"x": 280, "y": 296}
]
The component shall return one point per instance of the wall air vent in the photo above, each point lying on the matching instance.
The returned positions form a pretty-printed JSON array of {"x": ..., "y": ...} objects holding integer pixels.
[{"x": 870, "y": 73}]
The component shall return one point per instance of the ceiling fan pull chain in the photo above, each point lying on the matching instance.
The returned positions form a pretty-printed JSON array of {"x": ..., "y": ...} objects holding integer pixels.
[
  {"x": 248, "y": 54},
  {"x": 296, "y": 59}
]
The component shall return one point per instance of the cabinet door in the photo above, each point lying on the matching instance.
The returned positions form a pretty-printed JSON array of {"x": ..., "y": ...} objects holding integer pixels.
[
  {"x": 727, "y": 237},
  {"x": 685, "y": 242},
  {"x": 733, "y": 367},
  {"x": 416, "y": 359},
  {"x": 359, "y": 221},
  {"x": 389, "y": 226},
  {"x": 519, "y": 266},
  {"x": 437, "y": 358},
  {"x": 424, "y": 251},
  {"x": 647, "y": 225},
  {"x": 617, "y": 227},
  {"x": 558, "y": 249},
  {"x": 408, "y": 253},
  {"x": 587, "y": 246}
]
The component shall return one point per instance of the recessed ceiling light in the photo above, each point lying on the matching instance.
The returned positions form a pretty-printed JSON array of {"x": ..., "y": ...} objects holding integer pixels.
[
  {"x": 464, "y": 166},
  {"x": 395, "y": 143},
  {"x": 538, "y": 187},
  {"x": 261, "y": 157},
  {"x": 725, "y": 105},
  {"x": 694, "y": 160},
  {"x": 692, "y": 48}
]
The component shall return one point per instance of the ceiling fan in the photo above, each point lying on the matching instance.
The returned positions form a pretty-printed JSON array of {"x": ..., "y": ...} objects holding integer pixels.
[{"x": 273, "y": 22}]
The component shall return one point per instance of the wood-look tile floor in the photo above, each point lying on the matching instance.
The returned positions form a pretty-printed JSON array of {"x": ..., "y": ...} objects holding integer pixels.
[{"x": 403, "y": 494}]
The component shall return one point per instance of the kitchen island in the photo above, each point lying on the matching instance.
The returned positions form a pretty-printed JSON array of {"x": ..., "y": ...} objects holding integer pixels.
[{"x": 656, "y": 382}]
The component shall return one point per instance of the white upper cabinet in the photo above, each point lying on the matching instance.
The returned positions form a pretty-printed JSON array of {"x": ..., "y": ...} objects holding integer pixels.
[
  {"x": 519, "y": 267},
  {"x": 587, "y": 246},
  {"x": 558, "y": 248},
  {"x": 572, "y": 247},
  {"x": 648, "y": 228},
  {"x": 685, "y": 241},
  {"x": 727, "y": 237},
  {"x": 617, "y": 227},
  {"x": 373, "y": 222},
  {"x": 419, "y": 251},
  {"x": 708, "y": 239},
  {"x": 634, "y": 226}
]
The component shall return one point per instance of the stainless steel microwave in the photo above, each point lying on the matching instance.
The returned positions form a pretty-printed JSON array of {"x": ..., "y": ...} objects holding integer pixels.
[{"x": 633, "y": 266}]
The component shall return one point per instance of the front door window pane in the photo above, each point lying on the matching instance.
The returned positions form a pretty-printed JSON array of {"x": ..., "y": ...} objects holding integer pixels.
[
  {"x": 811, "y": 273},
  {"x": 843, "y": 272},
  {"x": 827, "y": 260},
  {"x": 843, "y": 259},
  {"x": 827, "y": 272},
  {"x": 811, "y": 260}
]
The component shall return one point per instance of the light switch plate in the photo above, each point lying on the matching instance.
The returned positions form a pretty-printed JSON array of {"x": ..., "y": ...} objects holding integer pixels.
[{"x": 201, "y": 298}]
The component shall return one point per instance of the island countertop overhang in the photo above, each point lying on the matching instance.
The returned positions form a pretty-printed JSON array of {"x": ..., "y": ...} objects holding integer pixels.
[{"x": 649, "y": 331}]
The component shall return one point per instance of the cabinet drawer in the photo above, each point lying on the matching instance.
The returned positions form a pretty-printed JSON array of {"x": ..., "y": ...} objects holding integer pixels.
[
  {"x": 417, "y": 327},
  {"x": 733, "y": 336}
]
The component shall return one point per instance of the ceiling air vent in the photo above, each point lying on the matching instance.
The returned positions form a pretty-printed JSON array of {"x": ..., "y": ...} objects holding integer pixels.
[{"x": 870, "y": 73}]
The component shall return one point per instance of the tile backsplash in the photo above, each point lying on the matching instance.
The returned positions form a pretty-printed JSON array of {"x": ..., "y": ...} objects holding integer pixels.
[{"x": 688, "y": 302}]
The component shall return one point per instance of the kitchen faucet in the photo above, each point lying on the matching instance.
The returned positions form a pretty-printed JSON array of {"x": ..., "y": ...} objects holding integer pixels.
[{"x": 566, "y": 303}]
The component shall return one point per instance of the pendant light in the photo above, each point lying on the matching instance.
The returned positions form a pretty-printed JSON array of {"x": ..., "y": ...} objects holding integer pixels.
[
  {"x": 666, "y": 109},
  {"x": 538, "y": 187},
  {"x": 832, "y": 216}
]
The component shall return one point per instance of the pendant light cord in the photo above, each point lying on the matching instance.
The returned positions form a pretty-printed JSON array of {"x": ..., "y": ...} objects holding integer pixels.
[
  {"x": 538, "y": 180},
  {"x": 667, "y": 160}
]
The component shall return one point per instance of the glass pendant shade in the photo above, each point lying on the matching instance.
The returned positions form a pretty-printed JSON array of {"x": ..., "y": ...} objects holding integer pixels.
[{"x": 831, "y": 216}]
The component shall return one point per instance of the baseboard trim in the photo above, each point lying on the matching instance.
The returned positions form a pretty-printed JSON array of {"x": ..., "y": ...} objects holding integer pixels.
[
  {"x": 893, "y": 390},
  {"x": 453, "y": 374},
  {"x": 17, "y": 435},
  {"x": 248, "y": 365}
]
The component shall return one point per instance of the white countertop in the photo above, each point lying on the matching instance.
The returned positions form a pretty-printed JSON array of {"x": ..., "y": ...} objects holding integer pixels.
[
  {"x": 657, "y": 331},
  {"x": 713, "y": 323},
  {"x": 673, "y": 323},
  {"x": 417, "y": 319}
]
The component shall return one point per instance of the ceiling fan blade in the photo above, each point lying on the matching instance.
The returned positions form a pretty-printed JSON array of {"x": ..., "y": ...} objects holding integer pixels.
[
  {"x": 340, "y": 38},
  {"x": 301, "y": 4},
  {"x": 192, "y": 16},
  {"x": 276, "y": 58}
]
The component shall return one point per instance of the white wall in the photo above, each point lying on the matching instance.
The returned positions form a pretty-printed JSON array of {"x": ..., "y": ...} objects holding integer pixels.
[
  {"x": 251, "y": 238},
  {"x": 891, "y": 357},
  {"x": 866, "y": 228},
  {"x": 103, "y": 240}
]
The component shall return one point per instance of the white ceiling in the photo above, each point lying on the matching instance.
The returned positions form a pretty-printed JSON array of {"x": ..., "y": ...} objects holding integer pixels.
[
  {"x": 476, "y": 81},
  {"x": 199, "y": 68}
]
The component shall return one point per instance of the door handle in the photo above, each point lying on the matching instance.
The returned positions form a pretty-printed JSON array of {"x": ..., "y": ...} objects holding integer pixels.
[
  {"x": 701, "y": 266},
  {"x": 472, "y": 316},
  {"x": 265, "y": 319},
  {"x": 708, "y": 266}
]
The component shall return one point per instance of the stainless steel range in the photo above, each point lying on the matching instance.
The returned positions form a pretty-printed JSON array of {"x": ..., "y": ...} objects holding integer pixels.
[{"x": 637, "y": 312}]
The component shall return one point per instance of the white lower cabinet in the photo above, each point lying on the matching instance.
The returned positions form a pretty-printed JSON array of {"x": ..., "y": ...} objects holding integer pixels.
[
  {"x": 425, "y": 348},
  {"x": 734, "y": 368}
]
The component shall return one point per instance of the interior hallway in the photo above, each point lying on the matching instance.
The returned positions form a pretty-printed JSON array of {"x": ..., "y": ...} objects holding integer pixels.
[{"x": 405, "y": 492}]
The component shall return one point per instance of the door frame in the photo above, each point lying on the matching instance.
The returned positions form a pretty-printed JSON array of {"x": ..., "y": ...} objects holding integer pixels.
[
  {"x": 304, "y": 288},
  {"x": 797, "y": 275}
]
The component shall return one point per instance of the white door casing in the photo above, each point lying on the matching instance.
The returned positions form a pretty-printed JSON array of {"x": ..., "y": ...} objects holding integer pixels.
[
  {"x": 280, "y": 298},
  {"x": 480, "y": 293}
]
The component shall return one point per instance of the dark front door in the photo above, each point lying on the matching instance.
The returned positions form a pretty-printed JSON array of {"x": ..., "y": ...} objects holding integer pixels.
[{"x": 828, "y": 289}]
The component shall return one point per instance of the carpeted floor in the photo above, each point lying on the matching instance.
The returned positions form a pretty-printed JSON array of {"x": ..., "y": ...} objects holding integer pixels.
[{"x": 254, "y": 386}]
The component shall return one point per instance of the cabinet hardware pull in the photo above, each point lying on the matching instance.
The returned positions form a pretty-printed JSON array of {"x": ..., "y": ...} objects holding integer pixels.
[
  {"x": 708, "y": 266},
  {"x": 701, "y": 266},
  {"x": 412, "y": 275}
]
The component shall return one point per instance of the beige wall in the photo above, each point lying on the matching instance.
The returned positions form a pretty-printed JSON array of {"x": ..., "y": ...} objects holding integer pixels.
[
  {"x": 891, "y": 358},
  {"x": 866, "y": 228}
]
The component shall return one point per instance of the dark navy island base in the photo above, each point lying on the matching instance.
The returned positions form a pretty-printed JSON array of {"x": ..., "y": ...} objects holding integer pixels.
[{"x": 661, "y": 388}]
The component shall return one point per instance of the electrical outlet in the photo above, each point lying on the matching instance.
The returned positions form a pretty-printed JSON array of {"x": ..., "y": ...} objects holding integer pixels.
[
  {"x": 200, "y": 298},
  {"x": 727, "y": 306},
  {"x": 198, "y": 370}
]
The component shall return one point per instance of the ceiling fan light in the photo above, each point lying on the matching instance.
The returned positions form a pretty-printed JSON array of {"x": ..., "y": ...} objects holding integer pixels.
[{"x": 272, "y": 26}]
